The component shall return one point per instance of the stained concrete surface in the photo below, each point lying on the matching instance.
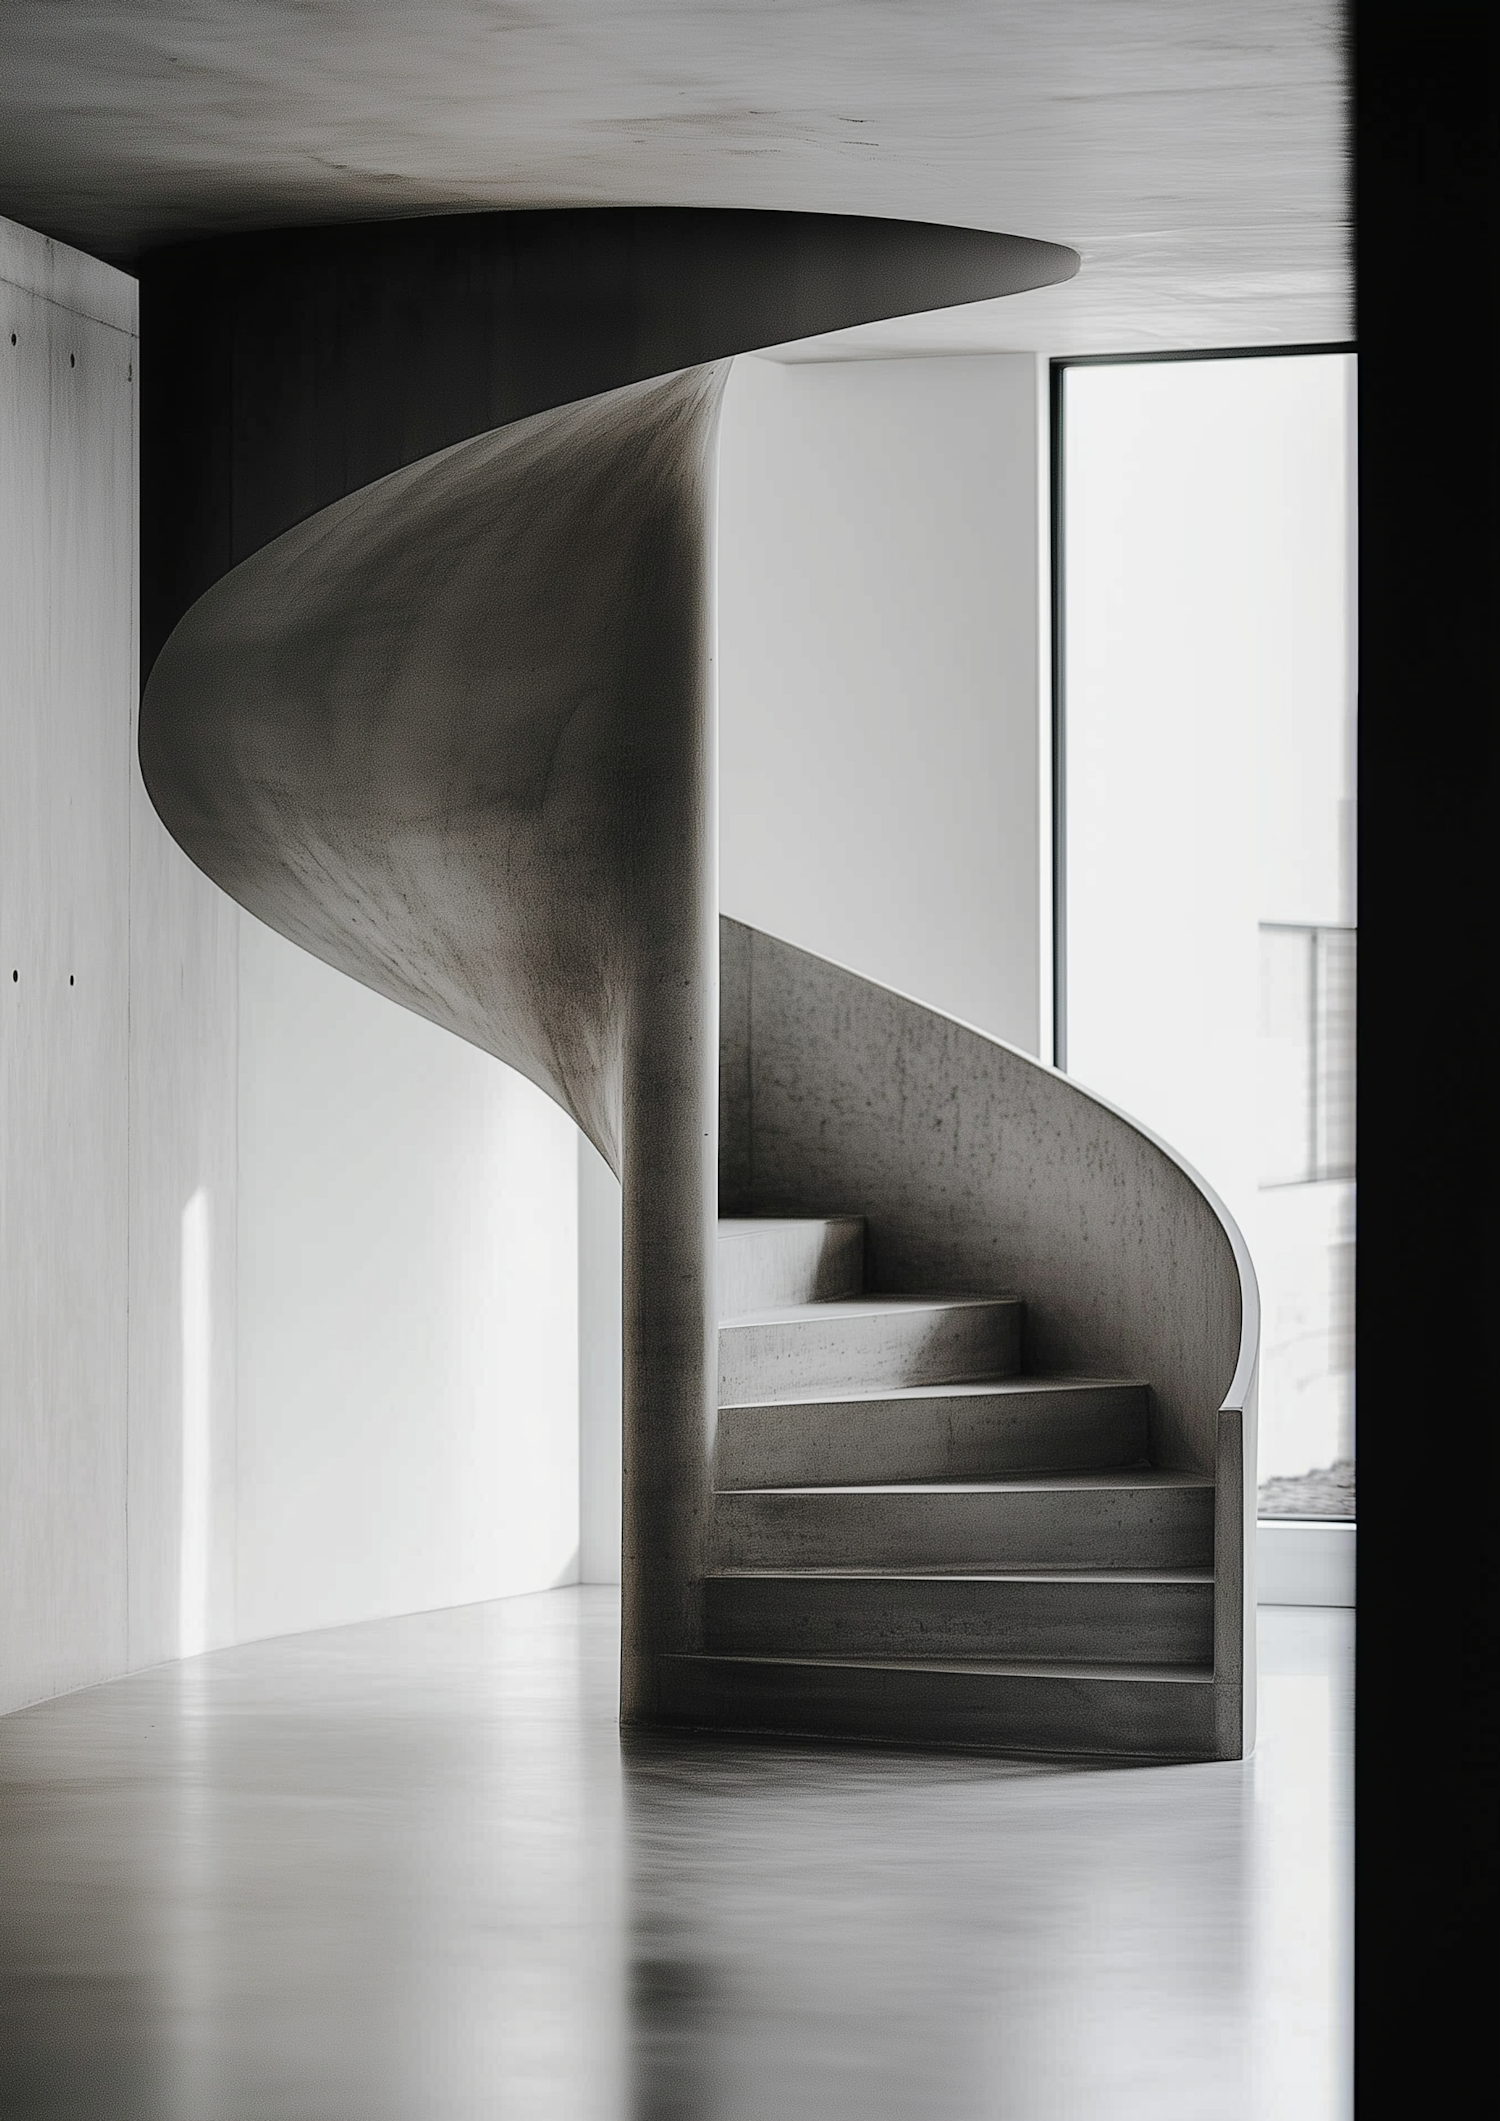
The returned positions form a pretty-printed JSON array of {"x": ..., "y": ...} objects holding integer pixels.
[
  {"x": 1194, "y": 149},
  {"x": 408, "y": 1870}
]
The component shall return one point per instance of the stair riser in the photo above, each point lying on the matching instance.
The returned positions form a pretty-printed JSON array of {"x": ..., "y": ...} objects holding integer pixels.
[
  {"x": 1116, "y": 1718},
  {"x": 883, "y": 1348},
  {"x": 941, "y": 1439},
  {"x": 790, "y": 1263},
  {"x": 1119, "y": 1623},
  {"x": 1145, "y": 1528}
]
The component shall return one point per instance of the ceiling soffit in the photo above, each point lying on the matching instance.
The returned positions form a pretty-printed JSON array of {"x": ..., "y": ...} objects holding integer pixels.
[{"x": 1192, "y": 151}]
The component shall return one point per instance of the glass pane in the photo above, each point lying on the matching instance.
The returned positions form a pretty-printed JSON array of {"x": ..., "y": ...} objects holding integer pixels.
[{"x": 1209, "y": 712}]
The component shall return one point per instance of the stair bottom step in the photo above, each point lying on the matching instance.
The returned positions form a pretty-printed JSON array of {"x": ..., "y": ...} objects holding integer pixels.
[
  {"x": 1031, "y": 1619},
  {"x": 1091, "y": 1711},
  {"x": 997, "y": 1667}
]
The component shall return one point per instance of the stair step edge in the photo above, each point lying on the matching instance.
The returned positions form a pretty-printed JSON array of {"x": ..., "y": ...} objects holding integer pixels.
[
  {"x": 963, "y": 1667},
  {"x": 1104, "y": 1481},
  {"x": 869, "y": 1305},
  {"x": 754, "y": 1225},
  {"x": 1203, "y": 1576},
  {"x": 1011, "y": 1386}
]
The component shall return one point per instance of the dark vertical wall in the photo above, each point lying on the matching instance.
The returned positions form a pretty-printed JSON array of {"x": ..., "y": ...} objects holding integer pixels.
[{"x": 1427, "y": 1807}]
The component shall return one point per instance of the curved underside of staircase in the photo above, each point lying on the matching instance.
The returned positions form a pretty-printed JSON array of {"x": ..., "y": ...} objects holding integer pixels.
[{"x": 428, "y": 609}]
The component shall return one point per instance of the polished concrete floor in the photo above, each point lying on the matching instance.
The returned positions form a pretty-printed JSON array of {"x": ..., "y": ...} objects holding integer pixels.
[{"x": 407, "y": 1872}]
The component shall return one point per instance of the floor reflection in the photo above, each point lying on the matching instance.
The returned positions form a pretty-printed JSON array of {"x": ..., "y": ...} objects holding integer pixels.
[
  {"x": 871, "y": 1935},
  {"x": 412, "y": 1871}
]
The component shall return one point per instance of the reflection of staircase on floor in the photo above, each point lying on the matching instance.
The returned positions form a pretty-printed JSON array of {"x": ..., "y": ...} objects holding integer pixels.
[{"x": 913, "y": 1538}]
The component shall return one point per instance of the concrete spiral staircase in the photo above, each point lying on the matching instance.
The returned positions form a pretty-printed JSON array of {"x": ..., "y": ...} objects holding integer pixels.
[
  {"x": 914, "y": 1535},
  {"x": 939, "y": 1373},
  {"x": 939, "y": 1511}
]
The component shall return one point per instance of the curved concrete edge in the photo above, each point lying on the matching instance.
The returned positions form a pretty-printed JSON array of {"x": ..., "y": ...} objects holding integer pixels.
[
  {"x": 1241, "y": 1384},
  {"x": 455, "y": 736},
  {"x": 977, "y": 1166}
]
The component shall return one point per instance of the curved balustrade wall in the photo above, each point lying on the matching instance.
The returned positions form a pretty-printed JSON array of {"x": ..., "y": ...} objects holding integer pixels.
[
  {"x": 454, "y": 735},
  {"x": 432, "y": 694},
  {"x": 976, "y": 1167}
]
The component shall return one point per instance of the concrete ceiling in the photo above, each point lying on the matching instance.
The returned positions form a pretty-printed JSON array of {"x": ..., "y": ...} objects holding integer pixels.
[{"x": 1193, "y": 151}]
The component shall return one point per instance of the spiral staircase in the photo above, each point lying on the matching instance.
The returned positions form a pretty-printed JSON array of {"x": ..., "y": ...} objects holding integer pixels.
[{"x": 939, "y": 1373}]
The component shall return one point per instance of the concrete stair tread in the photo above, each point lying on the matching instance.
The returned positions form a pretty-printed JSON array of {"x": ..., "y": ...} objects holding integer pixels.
[
  {"x": 1137, "y": 1518},
  {"x": 754, "y": 1225},
  {"x": 958, "y": 1388},
  {"x": 962, "y": 1575},
  {"x": 972, "y": 1667},
  {"x": 980, "y": 1426},
  {"x": 865, "y": 1341},
  {"x": 870, "y": 1305},
  {"x": 765, "y": 1262},
  {"x": 1019, "y": 1484}
]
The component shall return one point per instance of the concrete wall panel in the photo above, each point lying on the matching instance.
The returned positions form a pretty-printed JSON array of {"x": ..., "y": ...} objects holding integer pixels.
[
  {"x": 398, "y": 1289},
  {"x": 184, "y": 956},
  {"x": 67, "y": 601}
]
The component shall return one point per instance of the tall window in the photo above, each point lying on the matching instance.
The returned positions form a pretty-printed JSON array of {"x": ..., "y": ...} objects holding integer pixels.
[{"x": 1206, "y": 811}]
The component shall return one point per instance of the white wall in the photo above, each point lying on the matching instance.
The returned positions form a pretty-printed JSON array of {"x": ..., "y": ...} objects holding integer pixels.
[
  {"x": 116, "y": 1037},
  {"x": 184, "y": 998},
  {"x": 408, "y": 1375},
  {"x": 67, "y": 594},
  {"x": 600, "y": 1367},
  {"x": 289, "y": 1280},
  {"x": 883, "y": 685}
]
